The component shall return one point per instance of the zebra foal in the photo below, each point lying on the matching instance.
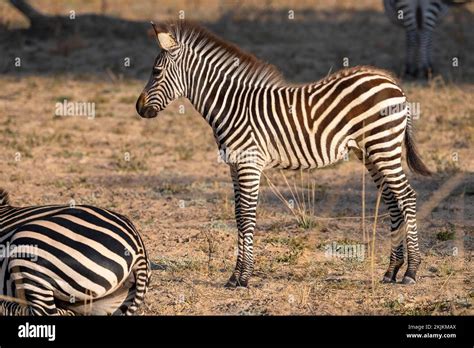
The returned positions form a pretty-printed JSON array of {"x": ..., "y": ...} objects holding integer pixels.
[
  {"x": 252, "y": 110},
  {"x": 61, "y": 260}
]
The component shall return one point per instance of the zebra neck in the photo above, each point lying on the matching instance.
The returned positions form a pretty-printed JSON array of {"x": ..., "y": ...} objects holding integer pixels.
[{"x": 222, "y": 100}]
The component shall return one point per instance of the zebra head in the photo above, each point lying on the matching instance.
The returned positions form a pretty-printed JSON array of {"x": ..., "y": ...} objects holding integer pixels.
[{"x": 164, "y": 84}]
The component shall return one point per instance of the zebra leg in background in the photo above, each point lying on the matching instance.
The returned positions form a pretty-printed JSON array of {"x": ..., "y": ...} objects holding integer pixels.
[
  {"x": 397, "y": 189},
  {"x": 246, "y": 179},
  {"x": 426, "y": 66},
  {"x": 411, "y": 64}
]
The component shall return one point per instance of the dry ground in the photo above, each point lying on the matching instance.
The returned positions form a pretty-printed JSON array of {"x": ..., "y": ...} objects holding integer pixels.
[{"x": 180, "y": 197}]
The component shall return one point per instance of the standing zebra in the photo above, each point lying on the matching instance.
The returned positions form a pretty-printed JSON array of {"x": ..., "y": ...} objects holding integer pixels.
[
  {"x": 253, "y": 111},
  {"x": 419, "y": 18},
  {"x": 66, "y": 260}
]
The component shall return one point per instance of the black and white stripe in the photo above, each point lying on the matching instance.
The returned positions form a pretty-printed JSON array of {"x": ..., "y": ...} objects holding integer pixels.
[
  {"x": 268, "y": 123},
  {"x": 419, "y": 18},
  {"x": 66, "y": 260}
]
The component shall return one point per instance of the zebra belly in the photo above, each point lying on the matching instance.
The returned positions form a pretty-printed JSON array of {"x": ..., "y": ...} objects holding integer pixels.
[{"x": 306, "y": 159}]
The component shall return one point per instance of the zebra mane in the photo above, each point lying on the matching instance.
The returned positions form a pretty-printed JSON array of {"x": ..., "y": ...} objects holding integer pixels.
[
  {"x": 196, "y": 37},
  {"x": 4, "y": 197},
  {"x": 352, "y": 70}
]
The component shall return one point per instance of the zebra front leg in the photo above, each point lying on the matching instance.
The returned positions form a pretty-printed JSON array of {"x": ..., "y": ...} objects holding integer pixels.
[
  {"x": 234, "y": 279},
  {"x": 246, "y": 179}
]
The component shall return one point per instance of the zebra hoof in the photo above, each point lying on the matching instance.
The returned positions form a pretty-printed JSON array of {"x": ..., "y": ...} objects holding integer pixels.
[
  {"x": 388, "y": 280},
  {"x": 231, "y": 284},
  {"x": 408, "y": 280},
  {"x": 242, "y": 284}
]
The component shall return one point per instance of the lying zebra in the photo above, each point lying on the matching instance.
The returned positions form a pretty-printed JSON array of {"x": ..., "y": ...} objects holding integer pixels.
[
  {"x": 62, "y": 260},
  {"x": 261, "y": 122}
]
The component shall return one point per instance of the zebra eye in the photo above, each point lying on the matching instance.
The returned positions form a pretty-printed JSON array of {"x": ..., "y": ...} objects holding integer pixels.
[{"x": 157, "y": 71}]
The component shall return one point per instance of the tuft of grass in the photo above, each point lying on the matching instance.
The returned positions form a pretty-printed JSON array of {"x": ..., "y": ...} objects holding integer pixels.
[
  {"x": 447, "y": 234},
  {"x": 128, "y": 99},
  {"x": 210, "y": 247},
  {"x": 169, "y": 188},
  {"x": 130, "y": 163},
  {"x": 295, "y": 249},
  {"x": 177, "y": 265},
  {"x": 184, "y": 153},
  {"x": 302, "y": 203},
  {"x": 62, "y": 98},
  {"x": 445, "y": 166}
]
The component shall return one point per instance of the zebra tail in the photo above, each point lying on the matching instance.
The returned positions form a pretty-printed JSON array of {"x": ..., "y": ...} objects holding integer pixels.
[
  {"x": 142, "y": 274},
  {"x": 414, "y": 161}
]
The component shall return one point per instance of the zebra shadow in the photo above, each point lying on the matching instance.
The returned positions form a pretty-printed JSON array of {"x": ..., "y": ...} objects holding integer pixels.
[{"x": 305, "y": 46}]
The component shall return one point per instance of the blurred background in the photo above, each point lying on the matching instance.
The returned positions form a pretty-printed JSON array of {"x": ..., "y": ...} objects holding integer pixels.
[{"x": 305, "y": 39}]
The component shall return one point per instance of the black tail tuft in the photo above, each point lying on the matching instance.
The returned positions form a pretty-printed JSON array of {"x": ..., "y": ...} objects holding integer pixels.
[
  {"x": 4, "y": 197},
  {"x": 413, "y": 158}
]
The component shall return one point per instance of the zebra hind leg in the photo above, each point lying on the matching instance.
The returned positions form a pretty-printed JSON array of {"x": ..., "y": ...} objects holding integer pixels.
[
  {"x": 401, "y": 199},
  {"x": 411, "y": 64},
  {"x": 233, "y": 282},
  {"x": 396, "y": 224},
  {"x": 11, "y": 308},
  {"x": 396, "y": 217},
  {"x": 425, "y": 53},
  {"x": 246, "y": 178},
  {"x": 40, "y": 303},
  {"x": 40, "y": 299}
]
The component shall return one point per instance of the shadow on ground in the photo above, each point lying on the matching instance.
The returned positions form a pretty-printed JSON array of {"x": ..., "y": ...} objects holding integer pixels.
[{"x": 305, "y": 49}]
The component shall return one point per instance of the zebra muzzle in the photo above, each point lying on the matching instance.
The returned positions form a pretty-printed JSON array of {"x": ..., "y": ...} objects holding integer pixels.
[{"x": 144, "y": 110}]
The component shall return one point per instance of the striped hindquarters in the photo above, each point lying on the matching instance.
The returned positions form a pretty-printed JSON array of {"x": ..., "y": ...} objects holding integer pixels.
[
  {"x": 313, "y": 126},
  {"x": 80, "y": 253}
]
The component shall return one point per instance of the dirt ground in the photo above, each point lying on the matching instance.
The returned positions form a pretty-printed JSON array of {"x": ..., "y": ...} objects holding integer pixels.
[{"x": 165, "y": 175}]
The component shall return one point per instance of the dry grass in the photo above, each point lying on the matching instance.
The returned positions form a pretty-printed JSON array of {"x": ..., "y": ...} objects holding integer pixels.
[{"x": 172, "y": 186}]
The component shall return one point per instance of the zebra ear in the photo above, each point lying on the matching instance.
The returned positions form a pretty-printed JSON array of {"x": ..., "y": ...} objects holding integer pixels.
[{"x": 166, "y": 41}]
